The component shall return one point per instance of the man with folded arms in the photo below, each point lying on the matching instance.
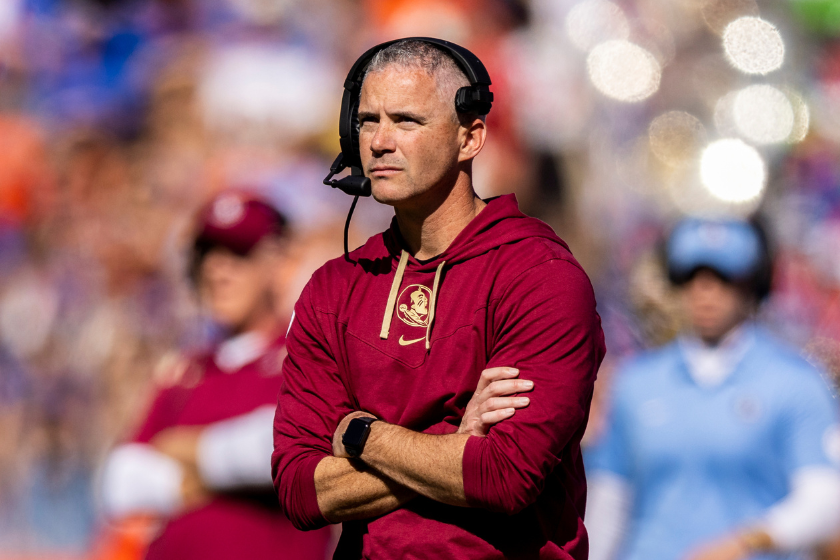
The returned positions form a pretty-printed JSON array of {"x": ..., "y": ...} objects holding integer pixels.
[{"x": 401, "y": 413}]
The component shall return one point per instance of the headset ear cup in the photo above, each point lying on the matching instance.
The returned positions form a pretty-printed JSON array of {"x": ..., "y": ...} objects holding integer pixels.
[
  {"x": 462, "y": 101},
  {"x": 472, "y": 99}
]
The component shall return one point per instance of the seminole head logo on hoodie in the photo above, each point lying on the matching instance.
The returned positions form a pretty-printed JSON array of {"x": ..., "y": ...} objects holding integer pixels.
[{"x": 413, "y": 309}]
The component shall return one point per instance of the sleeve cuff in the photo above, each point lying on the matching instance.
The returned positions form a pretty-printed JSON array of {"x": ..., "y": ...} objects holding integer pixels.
[
  {"x": 304, "y": 496},
  {"x": 471, "y": 466}
]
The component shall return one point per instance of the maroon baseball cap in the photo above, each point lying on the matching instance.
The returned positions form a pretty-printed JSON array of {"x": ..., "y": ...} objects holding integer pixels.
[{"x": 236, "y": 221}]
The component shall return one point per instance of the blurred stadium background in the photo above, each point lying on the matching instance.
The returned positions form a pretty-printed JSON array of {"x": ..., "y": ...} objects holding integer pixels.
[{"x": 119, "y": 118}]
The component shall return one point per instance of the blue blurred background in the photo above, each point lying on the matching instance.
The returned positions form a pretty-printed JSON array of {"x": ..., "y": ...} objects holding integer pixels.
[{"x": 119, "y": 118}]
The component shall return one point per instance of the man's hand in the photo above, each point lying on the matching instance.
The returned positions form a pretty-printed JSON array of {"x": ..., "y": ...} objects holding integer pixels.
[
  {"x": 337, "y": 445},
  {"x": 180, "y": 443},
  {"x": 193, "y": 492},
  {"x": 489, "y": 404}
]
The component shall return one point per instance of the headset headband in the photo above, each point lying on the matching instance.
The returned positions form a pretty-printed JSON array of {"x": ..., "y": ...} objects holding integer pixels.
[{"x": 475, "y": 98}]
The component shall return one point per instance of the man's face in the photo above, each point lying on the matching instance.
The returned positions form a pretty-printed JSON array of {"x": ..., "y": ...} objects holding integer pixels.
[
  {"x": 409, "y": 140},
  {"x": 714, "y": 307},
  {"x": 235, "y": 289}
]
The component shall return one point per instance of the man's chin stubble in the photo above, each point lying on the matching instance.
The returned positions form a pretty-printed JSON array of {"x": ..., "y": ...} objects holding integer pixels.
[{"x": 388, "y": 193}]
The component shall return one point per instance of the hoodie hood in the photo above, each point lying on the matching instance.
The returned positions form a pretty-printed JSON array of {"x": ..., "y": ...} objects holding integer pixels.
[{"x": 498, "y": 223}]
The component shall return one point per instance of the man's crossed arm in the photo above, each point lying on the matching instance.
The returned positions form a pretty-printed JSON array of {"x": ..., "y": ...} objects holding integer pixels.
[{"x": 397, "y": 464}]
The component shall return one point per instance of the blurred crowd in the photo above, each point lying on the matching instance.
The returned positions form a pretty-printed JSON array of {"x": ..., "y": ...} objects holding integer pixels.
[{"x": 120, "y": 118}]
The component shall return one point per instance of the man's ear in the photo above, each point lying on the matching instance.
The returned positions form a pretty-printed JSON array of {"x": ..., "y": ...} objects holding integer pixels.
[{"x": 472, "y": 135}]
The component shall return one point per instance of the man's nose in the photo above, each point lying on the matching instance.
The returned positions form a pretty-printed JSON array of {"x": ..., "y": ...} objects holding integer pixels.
[{"x": 383, "y": 139}]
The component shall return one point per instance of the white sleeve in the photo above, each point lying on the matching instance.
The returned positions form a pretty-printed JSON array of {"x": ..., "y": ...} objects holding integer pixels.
[
  {"x": 136, "y": 478},
  {"x": 237, "y": 452},
  {"x": 608, "y": 504},
  {"x": 810, "y": 514}
]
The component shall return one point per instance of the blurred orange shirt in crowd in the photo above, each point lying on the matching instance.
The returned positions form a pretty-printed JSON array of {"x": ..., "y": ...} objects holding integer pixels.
[{"x": 23, "y": 168}]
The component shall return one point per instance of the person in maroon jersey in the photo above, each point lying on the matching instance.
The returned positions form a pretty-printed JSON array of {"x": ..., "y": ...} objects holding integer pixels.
[
  {"x": 375, "y": 425},
  {"x": 201, "y": 459}
]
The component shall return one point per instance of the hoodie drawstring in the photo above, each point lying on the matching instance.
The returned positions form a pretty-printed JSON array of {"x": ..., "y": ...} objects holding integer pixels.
[
  {"x": 392, "y": 299},
  {"x": 392, "y": 296},
  {"x": 432, "y": 305}
]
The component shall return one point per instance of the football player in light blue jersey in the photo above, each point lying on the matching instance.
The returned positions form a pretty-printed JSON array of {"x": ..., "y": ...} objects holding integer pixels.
[{"x": 724, "y": 444}]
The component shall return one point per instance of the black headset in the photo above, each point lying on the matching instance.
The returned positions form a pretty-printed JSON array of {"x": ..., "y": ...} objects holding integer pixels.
[{"x": 475, "y": 98}]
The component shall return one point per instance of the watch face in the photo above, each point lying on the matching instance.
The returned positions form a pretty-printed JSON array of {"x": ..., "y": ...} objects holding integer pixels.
[{"x": 356, "y": 432}]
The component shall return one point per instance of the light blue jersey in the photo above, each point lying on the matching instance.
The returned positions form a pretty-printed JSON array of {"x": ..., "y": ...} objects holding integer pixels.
[{"x": 704, "y": 461}]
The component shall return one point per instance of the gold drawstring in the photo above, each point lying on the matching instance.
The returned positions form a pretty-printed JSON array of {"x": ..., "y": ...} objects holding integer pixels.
[
  {"x": 432, "y": 305},
  {"x": 392, "y": 296}
]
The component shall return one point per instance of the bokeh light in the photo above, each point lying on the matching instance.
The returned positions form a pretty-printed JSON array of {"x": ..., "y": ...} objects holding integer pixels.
[
  {"x": 801, "y": 117},
  {"x": 675, "y": 137},
  {"x": 763, "y": 114},
  {"x": 624, "y": 71},
  {"x": 689, "y": 196},
  {"x": 594, "y": 21},
  {"x": 753, "y": 45},
  {"x": 732, "y": 171}
]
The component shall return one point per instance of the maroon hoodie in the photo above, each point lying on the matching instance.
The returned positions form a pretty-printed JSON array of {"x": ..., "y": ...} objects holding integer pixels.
[
  {"x": 406, "y": 341},
  {"x": 236, "y": 524}
]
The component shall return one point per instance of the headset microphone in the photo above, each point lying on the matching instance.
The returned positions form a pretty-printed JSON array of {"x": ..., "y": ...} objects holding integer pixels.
[
  {"x": 355, "y": 184},
  {"x": 475, "y": 98}
]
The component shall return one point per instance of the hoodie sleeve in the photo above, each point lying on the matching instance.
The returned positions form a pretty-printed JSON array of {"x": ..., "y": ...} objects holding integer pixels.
[
  {"x": 546, "y": 325},
  {"x": 312, "y": 400}
]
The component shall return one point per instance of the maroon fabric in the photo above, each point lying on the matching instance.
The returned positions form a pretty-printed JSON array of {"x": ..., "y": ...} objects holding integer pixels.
[
  {"x": 234, "y": 525},
  {"x": 238, "y": 222},
  {"x": 511, "y": 294}
]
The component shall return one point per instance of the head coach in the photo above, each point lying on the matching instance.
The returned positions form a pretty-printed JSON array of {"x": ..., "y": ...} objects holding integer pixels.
[{"x": 402, "y": 414}]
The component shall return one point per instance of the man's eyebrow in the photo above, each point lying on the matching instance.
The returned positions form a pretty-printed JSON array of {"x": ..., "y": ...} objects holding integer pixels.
[
  {"x": 407, "y": 115},
  {"x": 396, "y": 115}
]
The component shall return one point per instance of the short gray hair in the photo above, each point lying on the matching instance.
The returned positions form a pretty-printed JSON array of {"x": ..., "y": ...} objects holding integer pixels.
[{"x": 411, "y": 53}]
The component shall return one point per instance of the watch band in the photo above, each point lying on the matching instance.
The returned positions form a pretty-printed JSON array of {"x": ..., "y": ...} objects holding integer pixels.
[{"x": 356, "y": 436}]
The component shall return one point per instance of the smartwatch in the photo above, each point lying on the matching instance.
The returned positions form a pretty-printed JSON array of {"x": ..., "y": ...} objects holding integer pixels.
[{"x": 356, "y": 435}]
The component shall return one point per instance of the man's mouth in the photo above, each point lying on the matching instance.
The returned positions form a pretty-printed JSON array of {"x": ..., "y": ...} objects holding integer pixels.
[{"x": 382, "y": 171}]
